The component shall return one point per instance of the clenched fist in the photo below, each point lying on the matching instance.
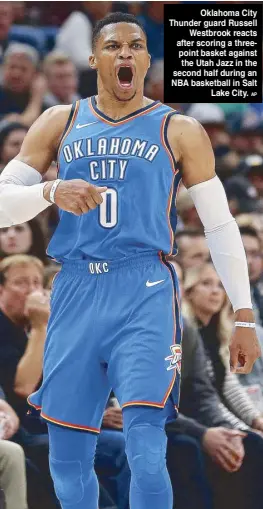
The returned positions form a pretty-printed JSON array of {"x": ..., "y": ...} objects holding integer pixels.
[
  {"x": 244, "y": 350},
  {"x": 76, "y": 196}
]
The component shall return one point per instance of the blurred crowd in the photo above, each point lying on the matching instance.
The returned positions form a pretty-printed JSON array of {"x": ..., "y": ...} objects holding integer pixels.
[{"x": 215, "y": 447}]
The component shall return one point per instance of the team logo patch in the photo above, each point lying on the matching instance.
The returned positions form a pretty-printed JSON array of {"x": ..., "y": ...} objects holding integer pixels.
[{"x": 175, "y": 359}]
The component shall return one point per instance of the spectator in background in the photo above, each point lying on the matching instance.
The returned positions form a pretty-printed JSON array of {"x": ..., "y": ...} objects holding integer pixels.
[
  {"x": 21, "y": 309},
  {"x": 49, "y": 275},
  {"x": 26, "y": 238},
  {"x": 253, "y": 116},
  {"x": 255, "y": 136},
  {"x": 79, "y": 48},
  {"x": 154, "y": 87},
  {"x": 152, "y": 20},
  {"x": 253, "y": 247},
  {"x": 62, "y": 79},
  {"x": 240, "y": 141},
  {"x": 134, "y": 8},
  {"x": 22, "y": 89},
  {"x": 192, "y": 248},
  {"x": 207, "y": 308},
  {"x": 24, "y": 312},
  {"x": 19, "y": 13},
  {"x": 212, "y": 466},
  {"x": 252, "y": 168},
  {"x": 187, "y": 211},
  {"x": 234, "y": 113},
  {"x": 75, "y": 35},
  {"x": 12, "y": 135},
  {"x": 242, "y": 196},
  {"x": 6, "y": 19},
  {"x": 12, "y": 460},
  {"x": 252, "y": 220},
  {"x": 247, "y": 141},
  {"x": 211, "y": 117},
  {"x": 213, "y": 120},
  {"x": 12, "y": 15}
]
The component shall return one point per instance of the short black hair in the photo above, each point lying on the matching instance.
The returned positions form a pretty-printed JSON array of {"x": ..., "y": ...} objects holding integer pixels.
[
  {"x": 250, "y": 231},
  {"x": 114, "y": 17}
]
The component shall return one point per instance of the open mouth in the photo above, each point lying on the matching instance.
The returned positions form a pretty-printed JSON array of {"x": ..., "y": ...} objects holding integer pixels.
[{"x": 125, "y": 76}]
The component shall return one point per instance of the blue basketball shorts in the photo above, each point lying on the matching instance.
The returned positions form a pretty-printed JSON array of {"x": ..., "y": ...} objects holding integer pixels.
[{"x": 113, "y": 325}]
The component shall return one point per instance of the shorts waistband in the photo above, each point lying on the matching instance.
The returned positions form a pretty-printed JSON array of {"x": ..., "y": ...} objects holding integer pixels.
[{"x": 93, "y": 267}]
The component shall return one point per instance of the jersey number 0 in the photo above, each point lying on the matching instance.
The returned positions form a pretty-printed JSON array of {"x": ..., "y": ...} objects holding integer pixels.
[{"x": 108, "y": 215}]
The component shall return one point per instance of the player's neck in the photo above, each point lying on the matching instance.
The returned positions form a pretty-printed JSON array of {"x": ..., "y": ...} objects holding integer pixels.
[{"x": 116, "y": 109}]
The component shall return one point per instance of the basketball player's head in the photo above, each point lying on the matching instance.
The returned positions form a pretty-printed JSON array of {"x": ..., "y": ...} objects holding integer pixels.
[{"x": 120, "y": 55}]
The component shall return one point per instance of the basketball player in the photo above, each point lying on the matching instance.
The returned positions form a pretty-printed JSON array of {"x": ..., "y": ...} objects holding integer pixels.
[{"x": 115, "y": 321}]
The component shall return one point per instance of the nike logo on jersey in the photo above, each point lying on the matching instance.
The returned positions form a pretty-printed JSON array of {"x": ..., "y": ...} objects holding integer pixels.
[
  {"x": 79, "y": 126},
  {"x": 153, "y": 283}
]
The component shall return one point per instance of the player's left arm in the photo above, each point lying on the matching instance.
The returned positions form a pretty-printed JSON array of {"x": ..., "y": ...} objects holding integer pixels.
[{"x": 192, "y": 149}]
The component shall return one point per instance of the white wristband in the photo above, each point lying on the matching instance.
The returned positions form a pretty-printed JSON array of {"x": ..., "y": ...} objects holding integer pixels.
[
  {"x": 251, "y": 325},
  {"x": 53, "y": 190}
]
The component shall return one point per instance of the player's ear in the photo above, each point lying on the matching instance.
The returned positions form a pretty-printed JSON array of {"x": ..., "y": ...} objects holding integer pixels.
[{"x": 92, "y": 62}]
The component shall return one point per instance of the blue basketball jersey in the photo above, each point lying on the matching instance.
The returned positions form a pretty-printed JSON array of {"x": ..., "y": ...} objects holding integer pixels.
[{"x": 132, "y": 157}]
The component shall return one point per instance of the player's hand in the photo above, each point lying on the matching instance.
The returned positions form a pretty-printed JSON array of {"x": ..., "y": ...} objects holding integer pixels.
[
  {"x": 76, "y": 196},
  {"x": 37, "y": 308},
  {"x": 225, "y": 447},
  {"x": 113, "y": 418},
  {"x": 244, "y": 350}
]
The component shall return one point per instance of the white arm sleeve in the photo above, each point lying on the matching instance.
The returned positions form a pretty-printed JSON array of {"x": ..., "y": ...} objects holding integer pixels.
[
  {"x": 224, "y": 240},
  {"x": 21, "y": 194}
]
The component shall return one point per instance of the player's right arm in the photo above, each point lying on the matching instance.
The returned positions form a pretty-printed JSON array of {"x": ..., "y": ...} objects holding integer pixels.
[{"x": 22, "y": 195}]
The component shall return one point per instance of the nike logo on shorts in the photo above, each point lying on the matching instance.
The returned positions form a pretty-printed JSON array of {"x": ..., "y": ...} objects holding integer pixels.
[
  {"x": 153, "y": 283},
  {"x": 79, "y": 126}
]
